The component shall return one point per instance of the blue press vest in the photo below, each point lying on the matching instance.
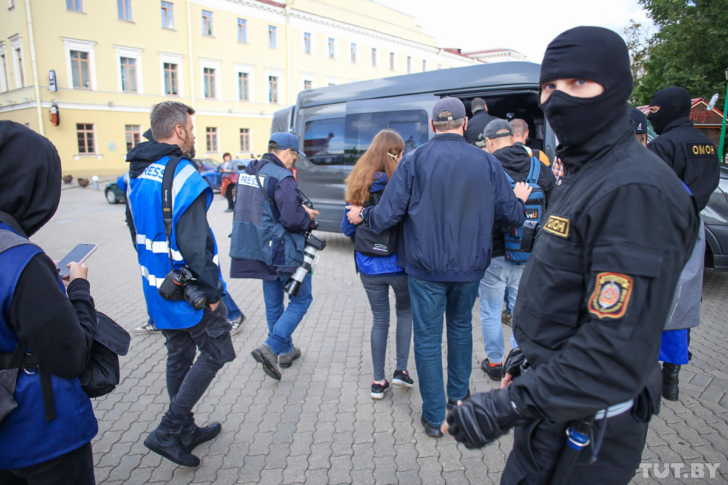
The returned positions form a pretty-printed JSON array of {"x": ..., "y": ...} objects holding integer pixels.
[
  {"x": 257, "y": 233},
  {"x": 26, "y": 438},
  {"x": 145, "y": 200}
]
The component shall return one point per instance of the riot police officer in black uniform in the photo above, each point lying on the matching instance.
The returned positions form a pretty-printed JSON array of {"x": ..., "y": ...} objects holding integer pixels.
[{"x": 595, "y": 294}]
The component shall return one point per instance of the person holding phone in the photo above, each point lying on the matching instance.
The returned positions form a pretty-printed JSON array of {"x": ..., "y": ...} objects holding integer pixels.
[
  {"x": 47, "y": 437},
  {"x": 191, "y": 249}
]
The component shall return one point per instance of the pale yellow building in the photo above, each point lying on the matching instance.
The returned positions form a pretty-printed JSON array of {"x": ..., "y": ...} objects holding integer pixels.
[{"x": 103, "y": 64}]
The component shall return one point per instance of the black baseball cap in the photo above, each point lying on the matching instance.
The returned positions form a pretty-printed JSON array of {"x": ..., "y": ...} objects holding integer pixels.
[
  {"x": 492, "y": 129},
  {"x": 453, "y": 105},
  {"x": 640, "y": 121}
]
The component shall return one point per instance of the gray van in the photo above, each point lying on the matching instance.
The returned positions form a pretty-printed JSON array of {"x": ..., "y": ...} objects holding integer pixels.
[{"x": 336, "y": 124}]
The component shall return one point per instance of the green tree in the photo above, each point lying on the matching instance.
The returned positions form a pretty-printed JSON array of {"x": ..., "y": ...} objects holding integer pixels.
[{"x": 690, "y": 48}]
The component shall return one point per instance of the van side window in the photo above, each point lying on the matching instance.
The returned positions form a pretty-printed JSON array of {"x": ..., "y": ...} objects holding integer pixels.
[
  {"x": 323, "y": 141},
  {"x": 361, "y": 129}
]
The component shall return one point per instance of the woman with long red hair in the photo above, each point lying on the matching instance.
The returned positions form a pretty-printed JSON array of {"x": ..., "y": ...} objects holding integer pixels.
[{"x": 364, "y": 186}]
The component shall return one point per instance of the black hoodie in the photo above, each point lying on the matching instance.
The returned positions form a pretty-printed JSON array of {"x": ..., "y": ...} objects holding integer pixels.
[
  {"x": 194, "y": 237},
  {"x": 516, "y": 162}
]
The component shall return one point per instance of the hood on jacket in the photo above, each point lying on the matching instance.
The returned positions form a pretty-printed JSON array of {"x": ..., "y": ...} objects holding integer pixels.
[
  {"x": 30, "y": 176},
  {"x": 514, "y": 158},
  {"x": 145, "y": 154},
  {"x": 379, "y": 182}
]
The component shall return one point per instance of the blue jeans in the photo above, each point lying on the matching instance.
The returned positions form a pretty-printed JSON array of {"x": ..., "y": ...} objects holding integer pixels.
[
  {"x": 377, "y": 288},
  {"x": 430, "y": 300},
  {"x": 233, "y": 312},
  {"x": 501, "y": 276},
  {"x": 283, "y": 321}
]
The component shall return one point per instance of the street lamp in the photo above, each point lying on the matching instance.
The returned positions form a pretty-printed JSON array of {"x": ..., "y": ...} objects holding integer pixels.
[{"x": 722, "y": 129}]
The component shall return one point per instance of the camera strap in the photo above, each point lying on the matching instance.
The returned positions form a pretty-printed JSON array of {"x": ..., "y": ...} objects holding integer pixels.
[
  {"x": 167, "y": 196},
  {"x": 258, "y": 166}
]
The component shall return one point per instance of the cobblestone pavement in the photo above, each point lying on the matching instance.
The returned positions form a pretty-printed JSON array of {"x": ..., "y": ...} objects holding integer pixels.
[{"x": 318, "y": 424}]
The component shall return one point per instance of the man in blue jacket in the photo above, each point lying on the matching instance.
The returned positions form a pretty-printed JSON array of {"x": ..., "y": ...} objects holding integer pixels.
[{"x": 447, "y": 194}]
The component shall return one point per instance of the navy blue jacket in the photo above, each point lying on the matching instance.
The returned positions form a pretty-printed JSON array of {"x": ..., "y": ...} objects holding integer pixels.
[{"x": 447, "y": 194}]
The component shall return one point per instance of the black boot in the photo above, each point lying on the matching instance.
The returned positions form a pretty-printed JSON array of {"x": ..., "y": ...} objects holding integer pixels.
[
  {"x": 199, "y": 435},
  {"x": 170, "y": 446},
  {"x": 670, "y": 381}
]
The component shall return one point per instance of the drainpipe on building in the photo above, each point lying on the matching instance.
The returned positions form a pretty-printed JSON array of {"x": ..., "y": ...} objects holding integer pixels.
[
  {"x": 288, "y": 56},
  {"x": 192, "y": 63},
  {"x": 34, "y": 63}
]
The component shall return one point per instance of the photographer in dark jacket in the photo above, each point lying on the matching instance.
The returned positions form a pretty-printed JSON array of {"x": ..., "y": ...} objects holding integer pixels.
[
  {"x": 56, "y": 325},
  {"x": 192, "y": 246},
  {"x": 447, "y": 195},
  {"x": 267, "y": 244}
]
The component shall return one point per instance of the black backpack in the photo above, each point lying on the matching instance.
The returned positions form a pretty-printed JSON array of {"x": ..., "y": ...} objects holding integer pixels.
[{"x": 368, "y": 242}]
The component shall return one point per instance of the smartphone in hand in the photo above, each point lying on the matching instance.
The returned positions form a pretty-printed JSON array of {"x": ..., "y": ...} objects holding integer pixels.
[{"x": 79, "y": 254}]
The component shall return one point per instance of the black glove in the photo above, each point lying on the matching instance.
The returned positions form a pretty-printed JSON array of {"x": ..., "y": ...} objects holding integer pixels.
[
  {"x": 515, "y": 363},
  {"x": 483, "y": 418}
]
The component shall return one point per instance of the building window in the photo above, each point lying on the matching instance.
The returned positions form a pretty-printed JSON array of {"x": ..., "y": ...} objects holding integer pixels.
[
  {"x": 439, "y": 66},
  {"x": 409, "y": 64},
  {"x": 391, "y": 61},
  {"x": 85, "y": 138},
  {"x": 272, "y": 42},
  {"x": 124, "y": 8},
  {"x": 80, "y": 70},
  {"x": 133, "y": 136},
  {"x": 424, "y": 65},
  {"x": 171, "y": 77},
  {"x": 272, "y": 89},
  {"x": 242, "y": 30},
  {"x": 167, "y": 15},
  {"x": 211, "y": 134},
  {"x": 374, "y": 57},
  {"x": 306, "y": 43},
  {"x": 21, "y": 70},
  {"x": 74, "y": 5},
  {"x": 244, "y": 139},
  {"x": 209, "y": 75},
  {"x": 5, "y": 84},
  {"x": 243, "y": 86},
  {"x": 332, "y": 48},
  {"x": 353, "y": 52},
  {"x": 207, "y": 23},
  {"x": 307, "y": 84},
  {"x": 128, "y": 75}
]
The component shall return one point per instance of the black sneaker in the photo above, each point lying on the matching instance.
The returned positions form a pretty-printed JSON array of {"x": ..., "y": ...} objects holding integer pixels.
[
  {"x": 494, "y": 372},
  {"x": 451, "y": 404},
  {"x": 378, "y": 390},
  {"x": 431, "y": 430},
  {"x": 402, "y": 378}
]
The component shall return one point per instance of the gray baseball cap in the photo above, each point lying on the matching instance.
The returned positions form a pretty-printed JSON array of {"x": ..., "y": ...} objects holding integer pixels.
[
  {"x": 492, "y": 129},
  {"x": 453, "y": 105}
]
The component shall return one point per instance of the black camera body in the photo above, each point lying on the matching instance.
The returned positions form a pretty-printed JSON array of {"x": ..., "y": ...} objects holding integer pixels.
[
  {"x": 180, "y": 285},
  {"x": 310, "y": 251},
  {"x": 528, "y": 236}
]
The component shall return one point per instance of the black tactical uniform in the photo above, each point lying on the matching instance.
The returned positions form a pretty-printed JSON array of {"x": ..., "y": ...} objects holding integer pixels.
[
  {"x": 689, "y": 152},
  {"x": 595, "y": 294},
  {"x": 477, "y": 124}
]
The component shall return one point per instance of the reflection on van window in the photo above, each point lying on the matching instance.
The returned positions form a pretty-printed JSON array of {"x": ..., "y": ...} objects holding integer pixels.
[
  {"x": 361, "y": 129},
  {"x": 323, "y": 141}
]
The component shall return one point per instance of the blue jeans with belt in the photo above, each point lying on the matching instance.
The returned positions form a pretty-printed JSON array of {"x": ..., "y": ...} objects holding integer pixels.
[{"x": 430, "y": 300}]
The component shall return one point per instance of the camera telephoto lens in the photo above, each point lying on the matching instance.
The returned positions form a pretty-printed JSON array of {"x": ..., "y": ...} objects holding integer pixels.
[{"x": 195, "y": 296}]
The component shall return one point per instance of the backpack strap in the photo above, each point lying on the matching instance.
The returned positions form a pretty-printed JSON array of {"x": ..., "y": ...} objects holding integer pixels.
[
  {"x": 167, "y": 196},
  {"x": 535, "y": 171}
]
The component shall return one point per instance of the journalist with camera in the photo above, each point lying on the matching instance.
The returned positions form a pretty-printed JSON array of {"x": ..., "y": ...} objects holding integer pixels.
[
  {"x": 180, "y": 273},
  {"x": 271, "y": 241}
]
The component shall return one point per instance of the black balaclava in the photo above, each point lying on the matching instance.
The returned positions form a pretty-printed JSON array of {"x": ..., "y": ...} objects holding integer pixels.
[
  {"x": 674, "y": 104},
  {"x": 581, "y": 124},
  {"x": 30, "y": 176}
]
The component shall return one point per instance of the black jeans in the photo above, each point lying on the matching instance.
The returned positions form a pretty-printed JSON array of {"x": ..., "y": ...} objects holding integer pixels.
[
  {"x": 74, "y": 468},
  {"x": 186, "y": 382},
  {"x": 229, "y": 195},
  {"x": 537, "y": 447}
]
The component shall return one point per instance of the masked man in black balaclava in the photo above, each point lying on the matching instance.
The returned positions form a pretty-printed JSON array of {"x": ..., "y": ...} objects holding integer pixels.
[
  {"x": 595, "y": 295},
  {"x": 694, "y": 159}
]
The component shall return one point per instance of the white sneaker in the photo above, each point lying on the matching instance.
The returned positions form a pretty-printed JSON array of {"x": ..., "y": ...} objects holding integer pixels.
[
  {"x": 145, "y": 328},
  {"x": 237, "y": 325}
]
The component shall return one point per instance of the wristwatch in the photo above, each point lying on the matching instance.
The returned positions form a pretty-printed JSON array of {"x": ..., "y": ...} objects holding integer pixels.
[{"x": 361, "y": 214}]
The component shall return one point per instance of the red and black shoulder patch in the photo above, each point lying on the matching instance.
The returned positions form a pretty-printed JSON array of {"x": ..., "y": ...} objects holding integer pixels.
[{"x": 611, "y": 296}]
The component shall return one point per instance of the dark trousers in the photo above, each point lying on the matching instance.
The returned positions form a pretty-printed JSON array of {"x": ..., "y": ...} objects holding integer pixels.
[
  {"x": 74, "y": 468},
  {"x": 229, "y": 195},
  {"x": 537, "y": 447},
  {"x": 187, "y": 381}
]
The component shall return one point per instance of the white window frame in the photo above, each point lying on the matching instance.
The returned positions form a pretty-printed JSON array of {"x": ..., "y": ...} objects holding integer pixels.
[
  {"x": 271, "y": 71},
  {"x": 356, "y": 53},
  {"x": 308, "y": 76},
  {"x": 15, "y": 44},
  {"x": 248, "y": 69},
  {"x": 166, "y": 57},
  {"x": 4, "y": 82},
  {"x": 275, "y": 36},
  {"x": 336, "y": 50},
  {"x": 332, "y": 80},
  {"x": 83, "y": 46},
  {"x": 408, "y": 64},
  {"x": 392, "y": 61},
  {"x": 131, "y": 53},
  {"x": 219, "y": 140},
  {"x": 250, "y": 142},
  {"x": 304, "y": 44},
  {"x": 210, "y": 64},
  {"x": 374, "y": 64}
]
